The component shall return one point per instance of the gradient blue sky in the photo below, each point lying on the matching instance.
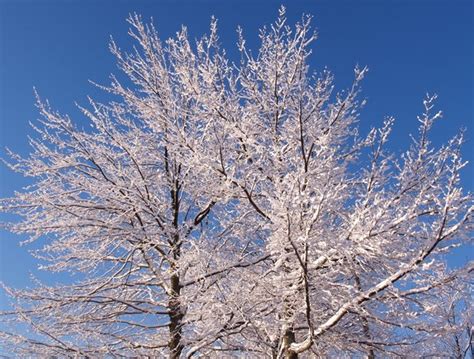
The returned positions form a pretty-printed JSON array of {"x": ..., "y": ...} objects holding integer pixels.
[{"x": 411, "y": 47}]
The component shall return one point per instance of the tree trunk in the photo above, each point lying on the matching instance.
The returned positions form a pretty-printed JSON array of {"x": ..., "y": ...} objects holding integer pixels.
[
  {"x": 174, "y": 303},
  {"x": 365, "y": 322},
  {"x": 176, "y": 315}
]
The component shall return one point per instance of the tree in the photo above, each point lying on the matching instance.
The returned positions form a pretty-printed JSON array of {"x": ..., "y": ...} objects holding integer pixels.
[{"x": 220, "y": 210}]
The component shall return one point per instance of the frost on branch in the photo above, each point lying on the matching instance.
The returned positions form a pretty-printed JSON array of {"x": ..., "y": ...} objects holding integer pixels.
[{"x": 220, "y": 210}]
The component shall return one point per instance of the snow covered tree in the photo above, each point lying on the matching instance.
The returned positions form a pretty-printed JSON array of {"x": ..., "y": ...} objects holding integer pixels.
[{"x": 216, "y": 209}]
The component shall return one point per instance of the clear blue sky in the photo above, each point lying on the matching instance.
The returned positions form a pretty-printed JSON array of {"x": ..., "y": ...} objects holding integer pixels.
[{"x": 410, "y": 46}]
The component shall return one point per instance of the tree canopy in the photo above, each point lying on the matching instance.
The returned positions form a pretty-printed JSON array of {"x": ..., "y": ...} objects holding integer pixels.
[{"x": 232, "y": 209}]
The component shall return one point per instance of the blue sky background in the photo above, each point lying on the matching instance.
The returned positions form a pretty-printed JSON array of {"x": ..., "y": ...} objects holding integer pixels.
[{"x": 411, "y": 47}]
